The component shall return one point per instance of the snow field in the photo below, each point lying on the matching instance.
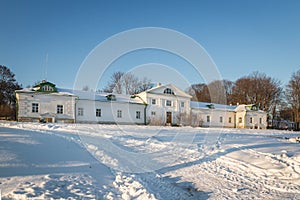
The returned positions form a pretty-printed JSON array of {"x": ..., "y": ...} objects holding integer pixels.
[{"x": 147, "y": 162}]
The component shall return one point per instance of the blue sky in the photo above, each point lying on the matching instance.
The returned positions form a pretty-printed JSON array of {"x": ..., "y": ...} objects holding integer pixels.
[{"x": 240, "y": 36}]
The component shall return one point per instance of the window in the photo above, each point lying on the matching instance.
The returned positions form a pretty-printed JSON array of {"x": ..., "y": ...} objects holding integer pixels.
[
  {"x": 254, "y": 107},
  {"x": 260, "y": 120},
  {"x": 182, "y": 104},
  {"x": 240, "y": 120},
  {"x": 153, "y": 101},
  {"x": 98, "y": 112},
  {"x": 153, "y": 113},
  {"x": 208, "y": 118},
  {"x": 250, "y": 120},
  {"x": 168, "y": 91},
  {"x": 229, "y": 120},
  {"x": 47, "y": 88},
  {"x": 35, "y": 107},
  {"x": 119, "y": 114},
  {"x": 168, "y": 103},
  {"x": 138, "y": 115},
  {"x": 60, "y": 109},
  {"x": 80, "y": 111},
  {"x": 221, "y": 119}
]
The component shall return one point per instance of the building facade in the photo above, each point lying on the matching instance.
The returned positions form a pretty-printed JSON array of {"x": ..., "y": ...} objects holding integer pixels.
[
  {"x": 44, "y": 103},
  {"x": 161, "y": 105},
  {"x": 166, "y": 104}
]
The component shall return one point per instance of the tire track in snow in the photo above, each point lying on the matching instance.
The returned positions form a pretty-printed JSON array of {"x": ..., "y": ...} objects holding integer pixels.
[{"x": 252, "y": 178}]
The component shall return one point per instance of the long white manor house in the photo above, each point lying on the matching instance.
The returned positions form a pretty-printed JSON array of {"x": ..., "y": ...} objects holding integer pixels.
[{"x": 160, "y": 105}]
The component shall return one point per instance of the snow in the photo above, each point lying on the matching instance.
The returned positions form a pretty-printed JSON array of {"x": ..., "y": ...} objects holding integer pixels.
[
  {"x": 204, "y": 105},
  {"x": 89, "y": 95},
  {"x": 84, "y": 161}
]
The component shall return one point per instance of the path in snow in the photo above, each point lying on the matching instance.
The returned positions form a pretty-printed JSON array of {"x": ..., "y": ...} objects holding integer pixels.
[
  {"x": 227, "y": 164},
  {"x": 247, "y": 166}
]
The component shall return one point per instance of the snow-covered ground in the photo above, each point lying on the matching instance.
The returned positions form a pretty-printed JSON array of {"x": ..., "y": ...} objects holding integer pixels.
[{"x": 84, "y": 161}]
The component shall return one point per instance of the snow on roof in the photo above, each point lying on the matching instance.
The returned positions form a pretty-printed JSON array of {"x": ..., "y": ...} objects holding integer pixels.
[
  {"x": 206, "y": 105},
  {"x": 25, "y": 90},
  {"x": 86, "y": 95},
  {"x": 176, "y": 90},
  {"x": 236, "y": 108},
  {"x": 248, "y": 107},
  {"x": 58, "y": 93}
]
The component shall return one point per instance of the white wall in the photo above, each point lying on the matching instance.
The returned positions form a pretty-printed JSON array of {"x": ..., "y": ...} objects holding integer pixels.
[
  {"x": 47, "y": 103},
  {"x": 242, "y": 115},
  {"x": 259, "y": 120},
  {"x": 160, "y": 108},
  {"x": 214, "y": 116},
  {"x": 109, "y": 111}
]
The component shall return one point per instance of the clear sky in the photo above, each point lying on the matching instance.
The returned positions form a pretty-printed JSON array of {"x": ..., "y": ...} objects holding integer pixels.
[{"x": 50, "y": 39}]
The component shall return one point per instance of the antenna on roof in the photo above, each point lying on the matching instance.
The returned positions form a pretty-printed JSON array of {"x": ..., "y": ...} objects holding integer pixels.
[{"x": 46, "y": 67}]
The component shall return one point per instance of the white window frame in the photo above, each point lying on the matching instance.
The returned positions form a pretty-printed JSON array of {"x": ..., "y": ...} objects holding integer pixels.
[
  {"x": 60, "y": 109},
  {"x": 80, "y": 111},
  {"x": 119, "y": 113},
  {"x": 182, "y": 104},
  {"x": 167, "y": 103},
  {"x": 240, "y": 120},
  {"x": 153, "y": 101},
  {"x": 34, "y": 107},
  {"x": 138, "y": 114},
  {"x": 98, "y": 112},
  {"x": 47, "y": 88},
  {"x": 207, "y": 118},
  {"x": 168, "y": 91}
]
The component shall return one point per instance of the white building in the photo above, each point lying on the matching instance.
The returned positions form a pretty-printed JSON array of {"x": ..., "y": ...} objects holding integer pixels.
[
  {"x": 44, "y": 102},
  {"x": 47, "y": 103},
  {"x": 249, "y": 116},
  {"x": 166, "y": 104},
  {"x": 109, "y": 108},
  {"x": 240, "y": 116},
  {"x": 161, "y": 105},
  {"x": 214, "y": 115}
]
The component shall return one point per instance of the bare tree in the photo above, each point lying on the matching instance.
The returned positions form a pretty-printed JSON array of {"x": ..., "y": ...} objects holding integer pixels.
[
  {"x": 292, "y": 93},
  {"x": 284, "y": 111},
  {"x": 115, "y": 84},
  {"x": 228, "y": 86},
  {"x": 258, "y": 88},
  {"x": 199, "y": 92},
  {"x": 131, "y": 83},
  {"x": 156, "y": 120},
  {"x": 126, "y": 83},
  {"x": 219, "y": 91},
  {"x": 145, "y": 84}
]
